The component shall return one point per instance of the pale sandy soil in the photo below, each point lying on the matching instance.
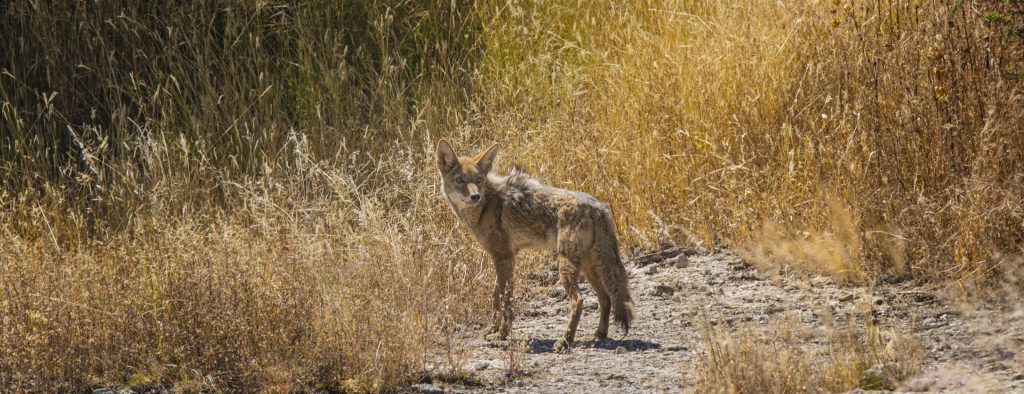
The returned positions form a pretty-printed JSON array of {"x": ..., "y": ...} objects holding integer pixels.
[{"x": 967, "y": 349}]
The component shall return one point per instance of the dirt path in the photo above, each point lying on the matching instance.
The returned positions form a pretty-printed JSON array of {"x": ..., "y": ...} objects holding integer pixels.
[{"x": 966, "y": 351}]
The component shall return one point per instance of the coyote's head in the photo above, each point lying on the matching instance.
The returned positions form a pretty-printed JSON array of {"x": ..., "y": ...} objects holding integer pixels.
[{"x": 463, "y": 178}]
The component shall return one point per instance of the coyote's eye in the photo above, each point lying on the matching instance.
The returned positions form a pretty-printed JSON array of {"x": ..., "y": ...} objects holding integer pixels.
[{"x": 459, "y": 180}]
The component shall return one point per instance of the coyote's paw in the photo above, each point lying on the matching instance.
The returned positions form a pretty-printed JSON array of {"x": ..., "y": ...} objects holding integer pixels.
[
  {"x": 562, "y": 346},
  {"x": 496, "y": 336}
]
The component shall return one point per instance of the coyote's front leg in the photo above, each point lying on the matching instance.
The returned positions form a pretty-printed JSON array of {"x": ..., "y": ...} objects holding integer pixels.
[
  {"x": 568, "y": 273},
  {"x": 502, "y": 299},
  {"x": 492, "y": 328}
]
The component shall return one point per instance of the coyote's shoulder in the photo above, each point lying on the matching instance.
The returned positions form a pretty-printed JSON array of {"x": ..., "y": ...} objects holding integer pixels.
[
  {"x": 531, "y": 210},
  {"x": 522, "y": 191},
  {"x": 508, "y": 213}
]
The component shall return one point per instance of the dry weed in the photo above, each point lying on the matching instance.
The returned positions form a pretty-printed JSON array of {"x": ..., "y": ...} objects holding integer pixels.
[
  {"x": 790, "y": 357},
  {"x": 230, "y": 194}
]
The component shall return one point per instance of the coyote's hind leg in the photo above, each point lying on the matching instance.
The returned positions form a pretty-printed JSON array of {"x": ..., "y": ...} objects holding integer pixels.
[{"x": 605, "y": 303}]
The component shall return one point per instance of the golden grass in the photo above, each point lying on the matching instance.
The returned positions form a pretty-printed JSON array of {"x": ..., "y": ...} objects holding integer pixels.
[
  {"x": 270, "y": 295},
  {"x": 721, "y": 126},
  {"x": 239, "y": 195},
  {"x": 790, "y": 357}
]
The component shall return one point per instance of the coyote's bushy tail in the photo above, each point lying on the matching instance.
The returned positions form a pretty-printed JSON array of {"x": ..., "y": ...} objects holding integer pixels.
[{"x": 613, "y": 272}]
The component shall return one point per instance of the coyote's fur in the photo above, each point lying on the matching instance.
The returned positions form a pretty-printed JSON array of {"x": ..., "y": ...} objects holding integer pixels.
[{"x": 517, "y": 211}]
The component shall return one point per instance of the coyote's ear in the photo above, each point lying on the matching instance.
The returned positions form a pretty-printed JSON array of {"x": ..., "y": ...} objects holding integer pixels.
[
  {"x": 485, "y": 158},
  {"x": 446, "y": 158}
]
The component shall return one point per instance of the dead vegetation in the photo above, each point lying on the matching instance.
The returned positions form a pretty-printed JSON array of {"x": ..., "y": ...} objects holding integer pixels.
[
  {"x": 790, "y": 357},
  {"x": 238, "y": 195}
]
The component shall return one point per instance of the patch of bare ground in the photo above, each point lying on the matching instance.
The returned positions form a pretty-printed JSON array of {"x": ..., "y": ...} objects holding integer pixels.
[{"x": 961, "y": 349}]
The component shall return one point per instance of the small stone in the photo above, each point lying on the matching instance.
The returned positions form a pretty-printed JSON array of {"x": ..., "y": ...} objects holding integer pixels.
[
  {"x": 821, "y": 281},
  {"x": 427, "y": 388},
  {"x": 663, "y": 290},
  {"x": 846, "y": 297},
  {"x": 933, "y": 322},
  {"x": 652, "y": 270},
  {"x": 114, "y": 391},
  {"x": 621, "y": 350},
  {"x": 877, "y": 375},
  {"x": 498, "y": 343},
  {"x": 680, "y": 261},
  {"x": 480, "y": 365},
  {"x": 998, "y": 367}
]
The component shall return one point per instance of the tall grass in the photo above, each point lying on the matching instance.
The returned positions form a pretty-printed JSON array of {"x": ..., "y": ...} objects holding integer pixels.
[
  {"x": 789, "y": 357},
  {"x": 232, "y": 194},
  {"x": 892, "y": 125},
  {"x": 227, "y": 195}
]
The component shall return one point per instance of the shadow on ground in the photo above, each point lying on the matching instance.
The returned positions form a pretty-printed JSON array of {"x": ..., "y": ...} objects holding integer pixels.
[{"x": 548, "y": 345}]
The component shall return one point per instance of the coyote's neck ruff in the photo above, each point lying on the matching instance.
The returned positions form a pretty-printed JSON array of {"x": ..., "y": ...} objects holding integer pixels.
[
  {"x": 518, "y": 192},
  {"x": 517, "y": 211}
]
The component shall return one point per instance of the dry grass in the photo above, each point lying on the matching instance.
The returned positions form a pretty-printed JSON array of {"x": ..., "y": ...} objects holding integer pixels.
[
  {"x": 903, "y": 114},
  {"x": 280, "y": 293},
  {"x": 239, "y": 195},
  {"x": 790, "y": 357}
]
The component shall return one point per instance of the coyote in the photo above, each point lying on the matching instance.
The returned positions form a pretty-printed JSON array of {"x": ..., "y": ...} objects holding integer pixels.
[{"x": 517, "y": 211}]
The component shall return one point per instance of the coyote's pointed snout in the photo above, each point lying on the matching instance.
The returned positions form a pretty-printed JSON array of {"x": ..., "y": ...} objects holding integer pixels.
[{"x": 510, "y": 213}]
